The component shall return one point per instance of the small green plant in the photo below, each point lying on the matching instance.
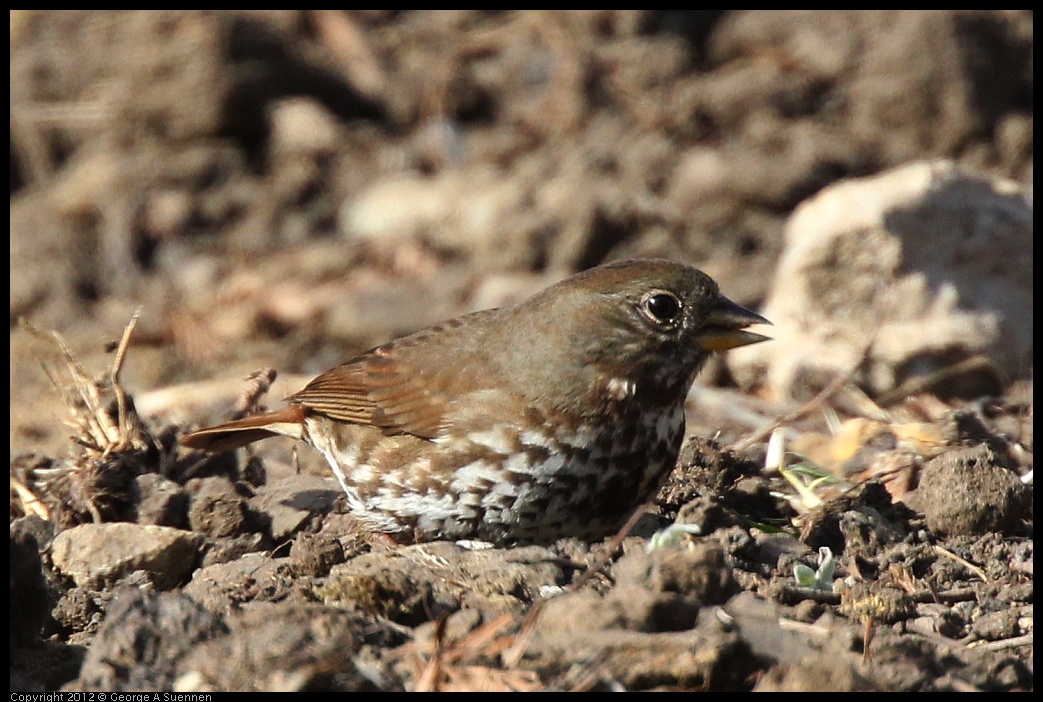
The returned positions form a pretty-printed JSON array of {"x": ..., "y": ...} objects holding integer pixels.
[
  {"x": 805, "y": 477},
  {"x": 820, "y": 579},
  {"x": 671, "y": 536}
]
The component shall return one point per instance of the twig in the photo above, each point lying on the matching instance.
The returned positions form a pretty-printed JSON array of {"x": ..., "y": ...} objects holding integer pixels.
[
  {"x": 920, "y": 383},
  {"x": 810, "y": 406},
  {"x": 114, "y": 378},
  {"x": 260, "y": 382},
  {"x": 429, "y": 677},
  {"x": 966, "y": 564},
  {"x": 30, "y": 502},
  {"x": 1013, "y": 642}
]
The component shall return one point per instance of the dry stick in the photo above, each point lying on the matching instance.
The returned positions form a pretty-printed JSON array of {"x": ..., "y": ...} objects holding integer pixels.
[
  {"x": 1002, "y": 644},
  {"x": 82, "y": 384},
  {"x": 920, "y": 383},
  {"x": 427, "y": 680},
  {"x": 613, "y": 546},
  {"x": 965, "y": 563},
  {"x": 483, "y": 640},
  {"x": 260, "y": 383},
  {"x": 810, "y": 406},
  {"x": 867, "y": 638},
  {"x": 806, "y": 409},
  {"x": 114, "y": 378},
  {"x": 94, "y": 424},
  {"x": 30, "y": 502}
]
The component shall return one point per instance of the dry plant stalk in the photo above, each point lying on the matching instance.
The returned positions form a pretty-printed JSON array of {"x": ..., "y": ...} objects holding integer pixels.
[
  {"x": 464, "y": 665},
  {"x": 114, "y": 444}
]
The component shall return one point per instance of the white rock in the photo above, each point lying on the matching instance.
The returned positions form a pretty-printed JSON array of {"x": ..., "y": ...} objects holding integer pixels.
[
  {"x": 458, "y": 210},
  {"x": 935, "y": 261}
]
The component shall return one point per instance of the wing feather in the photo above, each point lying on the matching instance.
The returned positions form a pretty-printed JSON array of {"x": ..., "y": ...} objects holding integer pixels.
[{"x": 406, "y": 386}]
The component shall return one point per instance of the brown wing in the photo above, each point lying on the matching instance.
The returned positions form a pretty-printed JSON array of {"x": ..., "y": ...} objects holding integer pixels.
[{"x": 406, "y": 386}]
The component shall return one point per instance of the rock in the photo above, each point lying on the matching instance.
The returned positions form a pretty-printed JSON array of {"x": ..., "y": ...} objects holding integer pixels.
[
  {"x": 470, "y": 212},
  {"x": 626, "y": 607},
  {"x": 930, "y": 262},
  {"x": 699, "y": 571},
  {"x": 142, "y": 639},
  {"x": 276, "y": 647},
  {"x": 158, "y": 500},
  {"x": 315, "y": 554},
  {"x": 302, "y": 126},
  {"x": 28, "y": 594},
  {"x": 91, "y": 554},
  {"x": 970, "y": 492},
  {"x": 290, "y": 504},
  {"x": 216, "y": 509},
  {"x": 423, "y": 580},
  {"x": 220, "y": 587}
]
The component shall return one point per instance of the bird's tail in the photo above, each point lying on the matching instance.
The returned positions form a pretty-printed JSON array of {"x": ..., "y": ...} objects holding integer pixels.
[{"x": 288, "y": 421}]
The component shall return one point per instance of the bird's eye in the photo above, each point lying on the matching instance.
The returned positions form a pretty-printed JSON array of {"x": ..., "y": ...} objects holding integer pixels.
[{"x": 662, "y": 307}]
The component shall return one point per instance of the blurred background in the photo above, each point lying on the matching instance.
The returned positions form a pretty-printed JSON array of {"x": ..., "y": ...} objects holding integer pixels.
[{"x": 287, "y": 188}]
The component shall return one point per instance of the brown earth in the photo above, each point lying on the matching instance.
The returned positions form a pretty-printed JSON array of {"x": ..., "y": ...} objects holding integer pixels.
[{"x": 285, "y": 189}]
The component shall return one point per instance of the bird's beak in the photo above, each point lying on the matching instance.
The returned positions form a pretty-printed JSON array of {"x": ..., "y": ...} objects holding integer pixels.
[{"x": 724, "y": 327}]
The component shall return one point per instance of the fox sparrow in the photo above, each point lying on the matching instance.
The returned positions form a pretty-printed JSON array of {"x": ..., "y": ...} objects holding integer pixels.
[{"x": 555, "y": 417}]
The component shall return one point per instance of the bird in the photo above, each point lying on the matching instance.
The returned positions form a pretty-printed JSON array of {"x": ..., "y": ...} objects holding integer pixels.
[{"x": 555, "y": 417}]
